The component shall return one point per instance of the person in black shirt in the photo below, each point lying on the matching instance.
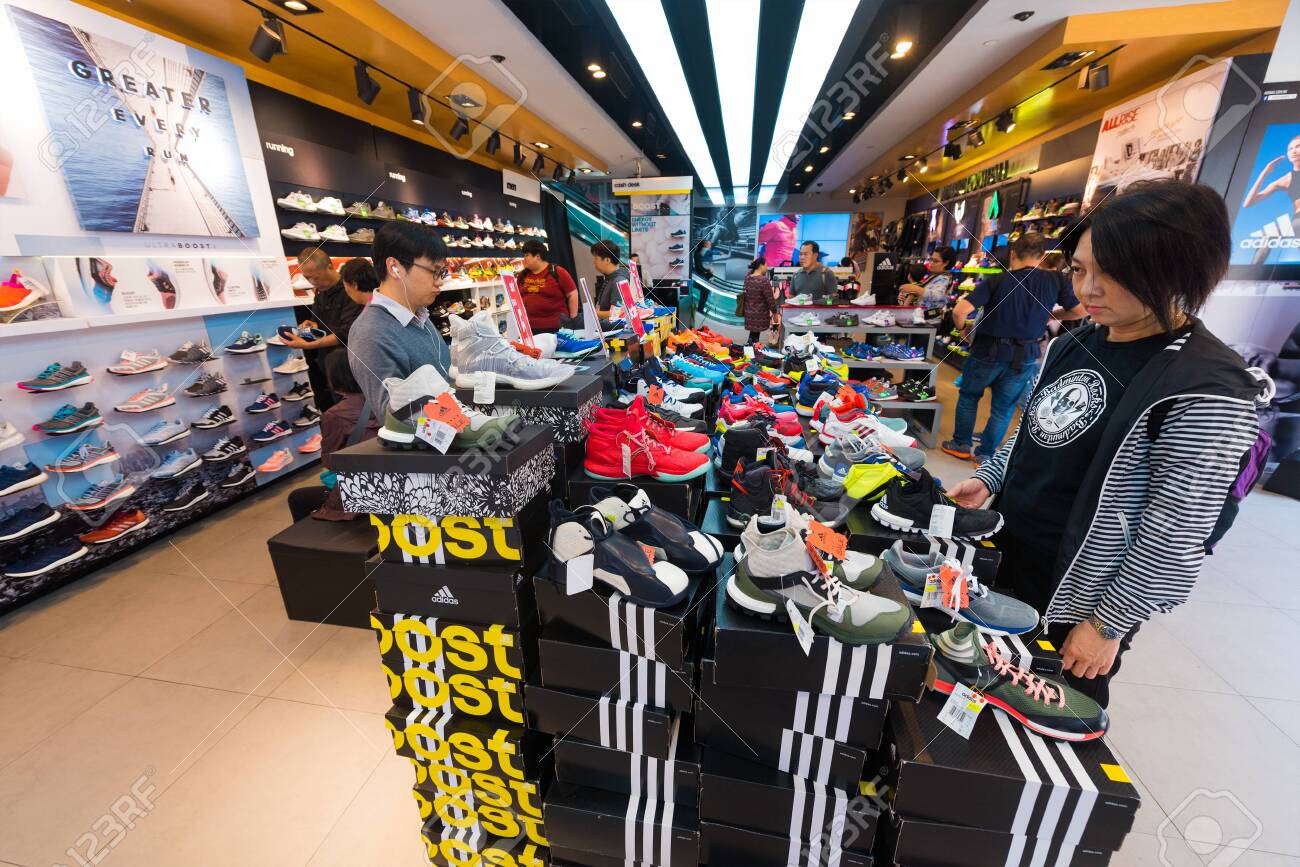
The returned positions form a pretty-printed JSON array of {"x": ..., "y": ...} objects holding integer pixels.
[
  {"x": 606, "y": 258},
  {"x": 332, "y": 311},
  {"x": 1004, "y": 346}
]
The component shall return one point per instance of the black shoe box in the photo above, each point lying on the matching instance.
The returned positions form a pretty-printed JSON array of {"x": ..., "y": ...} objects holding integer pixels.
[
  {"x": 1029, "y": 651},
  {"x": 638, "y": 829},
  {"x": 683, "y": 499},
  {"x": 321, "y": 568},
  {"x": 473, "y": 844},
  {"x": 499, "y": 595},
  {"x": 934, "y": 844},
  {"x": 715, "y": 523},
  {"x": 867, "y": 534},
  {"x": 893, "y": 670},
  {"x": 622, "y": 725},
  {"x": 571, "y": 661},
  {"x": 1005, "y": 778},
  {"x": 677, "y": 777},
  {"x": 715, "y": 483},
  {"x": 508, "y": 752},
  {"x": 724, "y": 845},
  {"x": 820, "y": 821},
  {"x": 665, "y": 635},
  {"x": 467, "y": 540},
  {"x": 441, "y": 788}
]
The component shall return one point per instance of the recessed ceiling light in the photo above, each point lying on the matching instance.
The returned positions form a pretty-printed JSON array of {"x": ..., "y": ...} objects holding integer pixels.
[
  {"x": 636, "y": 124},
  {"x": 907, "y": 157},
  {"x": 295, "y": 5},
  {"x": 797, "y": 184},
  {"x": 852, "y": 190},
  {"x": 465, "y": 101},
  {"x": 808, "y": 168},
  {"x": 585, "y": 170},
  {"x": 541, "y": 144},
  {"x": 1069, "y": 58},
  {"x": 593, "y": 67},
  {"x": 661, "y": 156},
  {"x": 923, "y": 169},
  {"x": 849, "y": 115},
  {"x": 823, "y": 149},
  {"x": 599, "y": 73},
  {"x": 901, "y": 47},
  {"x": 298, "y": 7}
]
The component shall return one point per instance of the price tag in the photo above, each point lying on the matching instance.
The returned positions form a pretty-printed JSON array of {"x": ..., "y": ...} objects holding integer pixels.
[
  {"x": 941, "y": 518},
  {"x": 656, "y": 395},
  {"x": 627, "y": 461},
  {"x": 962, "y": 709},
  {"x": 826, "y": 540},
  {"x": 749, "y": 352},
  {"x": 932, "y": 596},
  {"x": 649, "y": 552},
  {"x": 446, "y": 409},
  {"x": 761, "y": 454},
  {"x": 777, "y": 515},
  {"x": 813, "y": 365},
  {"x": 802, "y": 628},
  {"x": 953, "y": 586},
  {"x": 579, "y": 574},
  {"x": 485, "y": 390},
  {"x": 436, "y": 433}
]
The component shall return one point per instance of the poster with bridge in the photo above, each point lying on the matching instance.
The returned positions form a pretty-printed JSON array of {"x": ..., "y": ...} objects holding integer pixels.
[{"x": 145, "y": 143}]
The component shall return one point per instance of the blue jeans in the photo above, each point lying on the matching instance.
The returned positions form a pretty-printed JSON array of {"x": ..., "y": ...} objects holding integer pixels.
[{"x": 1007, "y": 387}]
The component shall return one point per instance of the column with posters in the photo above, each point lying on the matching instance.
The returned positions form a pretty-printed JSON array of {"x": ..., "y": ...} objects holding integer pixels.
[{"x": 661, "y": 224}]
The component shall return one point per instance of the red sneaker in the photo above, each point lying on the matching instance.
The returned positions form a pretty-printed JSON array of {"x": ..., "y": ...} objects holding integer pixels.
[
  {"x": 712, "y": 336},
  {"x": 665, "y": 432},
  {"x": 616, "y": 452}
]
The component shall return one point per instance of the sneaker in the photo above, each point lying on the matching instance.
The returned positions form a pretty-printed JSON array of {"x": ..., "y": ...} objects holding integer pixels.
[
  {"x": 265, "y": 403},
  {"x": 297, "y": 201},
  {"x": 47, "y": 560},
  {"x": 902, "y": 352},
  {"x": 192, "y": 353},
  {"x": 619, "y": 563},
  {"x": 864, "y": 300},
  {"x": 849, "y": 418},
  {"x": 569, "y": 346},
  {"x": 628, "y": 510},
  {"x": 188, "y": 498},
  {"x": 330, "y": 205},
  {"x": 1043, "y": 705},
  {"x": 246, "y": 344},
  {"x": 57, "y": 377},
  {"x": 956, "y": 449},
  {"x": 477, "y": 347},
  {"x": 384, "y": 211},
  {"x": 164, "y": 432},
  {"x": 9, "y": 436},
  {"x": 992, "y": 612},
  {"x": 295, "y": 363},
  {"x": 177, "y": 464},
  {"x": 302, "y": 232},
  {"x": 915, "y": 390},
  {"x": 311, "y": 445},
  {"x": 778, "y": 569},
  {"x": 407, "y": 399},
  {"x": 121, "y": 524},
  {"x": 69, "y": 419},
  {"x": 102, "y": 494},
  {"x": 18, "y": 293},
  {"x": 335, "y": 232},
  {"x": 239, "y": 474},
  {"x": 909, "y": 502},
  {"x": 279, "y": 459},
  {"x": 362, "y": 236},
  {"x": 310, "y": 416},
  {"x": 657, "y": 426},
  {"x": 624, "y": 450},
  {"x": 132, "y": 363},
  {"x": 19, "y": 477},
  {"x": 844, "y": 453},
  {"x": 86, "y": 456},
  {"x": 146, "y": 399},
  {"x": 461, "y": 224},
  {"x": 224, "y": 449},
  {"x": 300, "y": 391},
  {"x": 207, "y": 385},
  {"x": 272, "y": 431},
  {"x": 216, "y": 417},
  {"x": 880, "y": 319},
  {"x": 24, "y": 522},
  {"x": 360, "y": 209}
]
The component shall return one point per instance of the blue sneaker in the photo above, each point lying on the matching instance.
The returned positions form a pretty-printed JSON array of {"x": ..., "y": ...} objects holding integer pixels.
[
  {"x": 27, "y": 521},
  {"x": 569, "y": 346},
  {"x": 811, "y": 388},
  {"x": 165, "y": 432},
  {"x": 19, "y": 478},
  {"x": 46, "y": 559},
  {"x": 177, "y": 464}
]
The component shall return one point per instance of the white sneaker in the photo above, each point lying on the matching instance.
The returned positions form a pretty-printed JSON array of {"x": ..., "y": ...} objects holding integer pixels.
[
  {"x": 476, "y": 223},
  {"x": 477, "y": 347},
  {"x": 801, "y": 299},
  {"x": 297, "y": 201},
  {"x": 300, "y": 282},
  {"x": 671, "y": 401},
  {"x": 330, "y": 205},
  {"x": 880, "y": 319},
  {"x": 302, "y": 232},
  {"x": 861, "y": 424},
  {"x": 865, "y": 300},
  {"x": 9, "y": 436},
  {"x": 336, "y": 233},
  {"x": 293, "y": 364}
]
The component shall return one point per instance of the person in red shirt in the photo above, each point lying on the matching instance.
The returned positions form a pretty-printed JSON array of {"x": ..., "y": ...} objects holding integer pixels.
[{"x": 548, "y": 290}]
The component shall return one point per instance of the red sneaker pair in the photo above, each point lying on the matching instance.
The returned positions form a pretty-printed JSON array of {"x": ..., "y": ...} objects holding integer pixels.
[{"x": 622, "y": 444}]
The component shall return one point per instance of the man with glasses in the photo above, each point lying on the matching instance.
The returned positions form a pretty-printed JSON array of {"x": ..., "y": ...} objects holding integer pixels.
[
  {"x": 813, "y": 278},
  {"x": 393, "y": 336}
]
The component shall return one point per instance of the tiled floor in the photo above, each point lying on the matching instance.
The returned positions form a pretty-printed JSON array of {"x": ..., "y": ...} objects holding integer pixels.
[{"x": 173, "y": 685}]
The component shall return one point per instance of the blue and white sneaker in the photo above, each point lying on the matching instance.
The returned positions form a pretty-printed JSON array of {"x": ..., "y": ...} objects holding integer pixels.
[
  {"x": 989, "y": 611},
  {"x": 27, "y": 521},
  {"x": 165, "y": 432},
  {"x": 46, "y": 559},
  {"x": 177, "y": 464},
  {"x": 17, "y": 478},
  {"x": 570, "y": 346}
]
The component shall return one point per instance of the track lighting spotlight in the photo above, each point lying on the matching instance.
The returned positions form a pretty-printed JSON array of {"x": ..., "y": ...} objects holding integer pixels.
[
  {"x": 493, "y": 143},
  {"x": 1006, "y": 121},
  {"x": 268, "y": 38},
  {"x": 367, "y": 87},
  {"x": 460, "y": 127},
  {"x": 976, "y": 138},
  {"x": 539, "y": 165},
  {"x": 573, "y": 177},
  {"x": 417, "y": 107},
  {"x": 519, "y": 154},
  {"x": 557, "y": 174},
  {"x": 901, "y": 175},
  {"x": 952, "y": 150}
]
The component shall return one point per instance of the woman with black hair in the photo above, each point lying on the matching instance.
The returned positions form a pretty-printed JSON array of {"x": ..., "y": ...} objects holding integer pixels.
[
  {"x": 760, "y": 300},
  {"x": 1136, "y": 428},
  {"x": 932, "y": 292}
]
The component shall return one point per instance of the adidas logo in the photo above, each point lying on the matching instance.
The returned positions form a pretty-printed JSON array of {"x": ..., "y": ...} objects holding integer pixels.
[
  {"x": 1277, "y": 235},
  {"x": 885, "y": 265},
  {"x": 445, "y": 596}
]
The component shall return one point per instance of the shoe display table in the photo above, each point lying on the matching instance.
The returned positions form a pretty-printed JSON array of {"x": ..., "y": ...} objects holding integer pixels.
[{"x": 321, "y": 569}]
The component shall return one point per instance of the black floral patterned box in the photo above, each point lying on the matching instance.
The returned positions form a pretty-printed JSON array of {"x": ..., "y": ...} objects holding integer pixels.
[{"x": 565, "y": 408}]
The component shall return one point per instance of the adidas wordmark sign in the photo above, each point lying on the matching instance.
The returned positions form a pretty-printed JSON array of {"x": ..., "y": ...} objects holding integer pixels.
[{"x": 445, "y": 596}]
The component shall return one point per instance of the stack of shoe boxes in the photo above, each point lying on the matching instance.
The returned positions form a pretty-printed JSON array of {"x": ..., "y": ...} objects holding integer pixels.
[
  {"x": 617, "y": 687},
  {"x": 459, "y": 536}
]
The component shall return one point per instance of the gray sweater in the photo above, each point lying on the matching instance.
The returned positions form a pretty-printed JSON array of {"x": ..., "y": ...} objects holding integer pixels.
[
  {"x": 386, "y": 340},
  {"x": 819, "y": 282}
]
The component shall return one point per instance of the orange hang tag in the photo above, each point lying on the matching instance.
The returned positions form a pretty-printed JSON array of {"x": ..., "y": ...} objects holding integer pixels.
[
  {"x": 816, "y": 557},
  {"x": 826, "y": 540},
  {"x": 952, "y": 586},
  {"x": 446, "y": 410},
  {"x": 656, "y": 395},
  {"x": 648, "y": 551}
]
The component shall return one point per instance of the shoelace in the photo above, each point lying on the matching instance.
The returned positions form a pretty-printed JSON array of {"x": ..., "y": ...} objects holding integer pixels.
[
  {"x": 1033, "y": 685},
  {"x": 49, "y": 371}
]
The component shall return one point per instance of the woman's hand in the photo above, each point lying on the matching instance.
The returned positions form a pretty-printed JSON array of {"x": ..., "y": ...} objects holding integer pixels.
[
  {"x": 969, "y": 494},
  {"x": 1086, "y": 654}
]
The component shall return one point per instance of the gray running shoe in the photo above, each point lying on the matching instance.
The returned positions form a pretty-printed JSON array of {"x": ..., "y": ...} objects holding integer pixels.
[
  {"x": 207, "y": 385},
  {"x": 860, "y": 569},
  {"x": 57, "y": 377},
  {"x": 177, "y": 464},
  {"x": 165, "y": 432},
  {"x": 147, "y": 399},
  {"x": 406, "y": 400},
  {"x": 477, "y": 347},
  {"x": 84, "y": 458},
  {"x": 69, "y": 419},
  {"x": 192, "y": 353},
  {"x": 841, "y": 455},
  {"x": 992, "y": 612}
]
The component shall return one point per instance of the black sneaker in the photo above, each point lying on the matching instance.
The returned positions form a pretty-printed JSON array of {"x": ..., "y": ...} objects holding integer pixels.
[
  {"x": 915, "y": 390},
  {"x": 187, "y": 499},
  {"x": 620, "y": 563},
  {"x": 27, "y": 521},
  {"x": 807, "y": 479},
  {"x": 214, "y": 418},
  {"x": 908, "y": 503},
  {"x": 740, "y": 443},
  {"x": 207, "y": 385},
  {"x": 192, "y": 353},
  {"x": 843, "y": 320},
  {"x": 310, "y": 416},
  {"x": 300, "y": 391},
  {"x": 573, "y": 323},
  {"x": 238, "y": 475},
  {"x": 225, "y": 449},
  {"x": 679, "y": 421},
  {"x": 752, "y": 492}
]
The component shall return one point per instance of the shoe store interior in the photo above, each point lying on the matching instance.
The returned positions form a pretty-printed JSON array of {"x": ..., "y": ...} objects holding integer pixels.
[{"x": 633, "y": 433}]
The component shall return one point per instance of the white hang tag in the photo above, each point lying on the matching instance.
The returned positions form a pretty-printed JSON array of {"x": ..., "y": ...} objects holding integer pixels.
[
  {"x": 941, "y": 520},
  {"x": 962, "y": 709},
  {"x": 627, "y": 461},
  {"x": 812, "y": 364},
  {"x": 933, "y": 595},
  {"x": 761, "y": 454},
  {"x": 802, "y": 628},
  {"x": 485, "y": 390},
  {"x": 749, "y": 352},
  {"x": 438, "y": 434},
  {"x": 579, "y": 574},
  {"x": 777, "y": 515}
]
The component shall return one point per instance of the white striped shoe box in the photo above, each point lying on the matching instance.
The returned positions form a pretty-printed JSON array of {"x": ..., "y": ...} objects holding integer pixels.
[
  {"x": 449, "y": 846},
  {"x": 675, "y": 778},
  {"x": 638, "y": 829},
  {"x": 818, "y": 822},
  {"x": 932, "y": 844},
  {"x": 666, "y": 635},
  {"x": 729, "y": 846},
  {"x": 1029, "y": 651},
  {"x": 620, "y": 724},
  {"x": 570, "y": 661},
  {"x": 893, "y": 670},
  {"x": 1007, "y": 779}
]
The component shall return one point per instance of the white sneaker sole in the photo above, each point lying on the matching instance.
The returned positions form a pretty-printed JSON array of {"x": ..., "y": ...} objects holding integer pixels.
[
  {"x": 173, "y": 438},
  {"x": 261, "y": 347},
  {"x": 150, "y": 408},
  {"x": 470, "y": 380},
  {"x": 75, "y": 555},
  {"x": 191, "y": 504},
  {"x": 23, "y": 485},
  {"x": 159, "y": 365},
  {"x": 906, "y": 525},
  {"x": 14, "y": 439},
  {"x": 747, "y": 603},
  {"x": 32, "y": 528}
]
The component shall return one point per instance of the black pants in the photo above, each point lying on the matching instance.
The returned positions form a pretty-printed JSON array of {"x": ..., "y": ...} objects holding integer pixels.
[
  {"x": 304, "y": 501},
  {"x": 753, "y": 337},
  {"x": 1025, "y": 572},
  {"x": 322, "y": 396}
]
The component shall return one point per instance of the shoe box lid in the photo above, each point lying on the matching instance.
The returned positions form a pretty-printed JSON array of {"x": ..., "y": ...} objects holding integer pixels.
[
  {"x": 665, "y": 635},
  {"x": 675, "y": 778},
  {"x": 476, "y": 482},
  {"x": 1006, "y": 778},
  {"x": 632, "y": 827},
  {"x": 439, "y": 789},
  {"x": 1031, "y": 650},
  {"x": 856, "y": 722},
  {"x": 624, "y": 725},
  {"x": 497, "y": 594},
  {"x": 824, "y": 820},
  {"x": 501, "y": 542},
  {"x": 484, "y": 744},
  {"x": 715, "y": 523},
  {"x": 866, "y": 534},
  {"x": 575, "y": 392},
  {"x": 724, "y": 845},
  {"x": 455, "y": 844},
  {"x": 683, "y": 499},
  {"x": 931, "y": 844},
  {"x": 575, "y": 662},
  {"x": 893, "y": 670},
  {"x": 715, "y": 484}
]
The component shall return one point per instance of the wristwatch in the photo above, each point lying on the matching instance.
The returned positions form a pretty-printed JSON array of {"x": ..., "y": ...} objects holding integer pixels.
[{"x": 1109, "y": 633}]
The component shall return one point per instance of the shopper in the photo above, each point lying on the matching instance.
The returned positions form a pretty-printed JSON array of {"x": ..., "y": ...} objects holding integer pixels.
[
  {"x": 548, "y": 290},
  {"x": 340, "y": 426},
  {"x": 776, "y": 240},
  {"x": 698, "y": 263},
  {"x": 932, "y": 292},
  {"x": 1004, "y": 344},
  {"x": 761, "y": 312},
  {"x": 332, "y": 311},
  {"x": 393, "y": 335},
  {"x": 634, "y": 264},
  {"x": 813, "y": 278},
  {"x": 608, "y": 262},
  {"x": 359, "y": 280},
  {"x": 1136, "y": 429},
  {"x": 848, "y": 286}
]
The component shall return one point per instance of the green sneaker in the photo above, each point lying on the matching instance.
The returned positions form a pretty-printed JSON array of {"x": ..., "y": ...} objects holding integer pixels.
[
  {"x": 406, "y": 401},
  {"x": 1041, "y": 704}
]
